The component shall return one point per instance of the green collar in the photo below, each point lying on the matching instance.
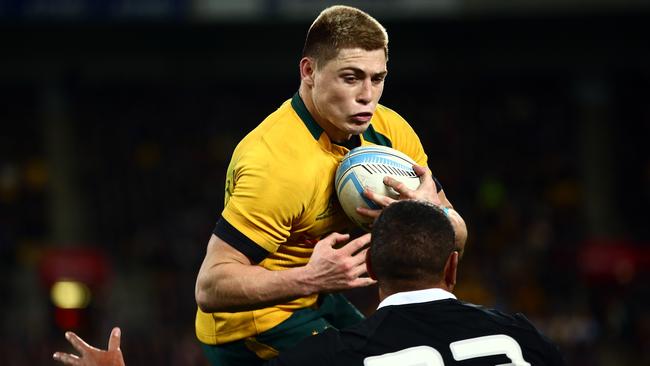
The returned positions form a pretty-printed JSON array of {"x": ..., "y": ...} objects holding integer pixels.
[
  {"x": 300, "y": 108},
  {"x": 316, "y": 130}
]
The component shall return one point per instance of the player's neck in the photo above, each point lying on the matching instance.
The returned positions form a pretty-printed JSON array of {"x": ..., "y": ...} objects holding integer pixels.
[
  {"x": 336, "y": 136},
  {"x": 354, "y": 141}
]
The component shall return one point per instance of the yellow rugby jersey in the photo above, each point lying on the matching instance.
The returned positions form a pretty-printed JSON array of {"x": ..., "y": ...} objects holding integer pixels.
[{"x": 280, "y": 200}]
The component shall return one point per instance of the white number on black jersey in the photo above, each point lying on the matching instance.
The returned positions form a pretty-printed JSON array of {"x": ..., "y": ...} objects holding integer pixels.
[{"x": 500, "y": 344}]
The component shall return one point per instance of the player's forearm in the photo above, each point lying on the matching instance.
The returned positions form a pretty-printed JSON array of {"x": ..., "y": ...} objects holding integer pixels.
[
  {"x": 460, "y": 229},
  {"x": 236, "y": 287},
  {"x": 229, "y": 281}
]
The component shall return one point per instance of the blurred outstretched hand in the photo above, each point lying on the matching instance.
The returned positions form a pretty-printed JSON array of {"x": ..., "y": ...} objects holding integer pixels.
[{"x": 91, "y": 356}]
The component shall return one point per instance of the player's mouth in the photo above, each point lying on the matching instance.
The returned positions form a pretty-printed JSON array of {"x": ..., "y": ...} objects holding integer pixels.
[{"x": 363, "y": 117}]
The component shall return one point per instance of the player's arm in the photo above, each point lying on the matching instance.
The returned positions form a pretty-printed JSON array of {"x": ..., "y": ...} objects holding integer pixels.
[
  {"x": 427, "y": 191},
  {"x": 457, "y": 221},
  {"x": 91, "y": 356},
  {"x": 229, "y": 281}
]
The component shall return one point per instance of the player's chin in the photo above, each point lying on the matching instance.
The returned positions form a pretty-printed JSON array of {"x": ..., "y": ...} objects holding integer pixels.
[{"x": 357, "y": 128}]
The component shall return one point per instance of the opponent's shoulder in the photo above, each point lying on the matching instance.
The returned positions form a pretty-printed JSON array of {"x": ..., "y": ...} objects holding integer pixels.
[
  {"x": 496, "y": 315},
  {"x": 517, "y": 325}
]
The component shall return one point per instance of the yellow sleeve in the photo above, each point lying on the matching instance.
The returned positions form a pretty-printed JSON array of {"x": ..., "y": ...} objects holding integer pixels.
[
  {"x": 263, "y": 199},
  {"x": 402, "y": 135}
]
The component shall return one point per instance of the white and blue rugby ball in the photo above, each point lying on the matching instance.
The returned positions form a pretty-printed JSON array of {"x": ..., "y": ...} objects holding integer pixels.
[{"x": 366, "y": 166}]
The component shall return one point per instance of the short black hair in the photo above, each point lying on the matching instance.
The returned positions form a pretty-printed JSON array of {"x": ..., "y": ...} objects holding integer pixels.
[{"x": 411, "y": 241}]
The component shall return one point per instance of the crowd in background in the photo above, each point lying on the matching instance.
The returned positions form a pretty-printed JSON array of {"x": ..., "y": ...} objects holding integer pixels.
[{"x": 515, "y": 154}]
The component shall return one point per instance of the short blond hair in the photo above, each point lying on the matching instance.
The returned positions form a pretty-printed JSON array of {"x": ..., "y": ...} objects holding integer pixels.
[{"x": 339, "y": 27}]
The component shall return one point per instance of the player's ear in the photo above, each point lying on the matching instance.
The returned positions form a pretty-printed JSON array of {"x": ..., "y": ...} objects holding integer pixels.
[
  {"x": 371, "y": 273},
  {"x": 307, "y": 70},
  {"x": 451, "y": 269}
]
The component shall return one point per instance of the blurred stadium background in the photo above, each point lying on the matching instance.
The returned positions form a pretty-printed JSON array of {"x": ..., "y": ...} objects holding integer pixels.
[{"x": 118, "y": 119}]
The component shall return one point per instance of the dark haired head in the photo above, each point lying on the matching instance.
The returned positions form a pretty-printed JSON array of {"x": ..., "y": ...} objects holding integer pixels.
[{"x": 411, "y": 242}]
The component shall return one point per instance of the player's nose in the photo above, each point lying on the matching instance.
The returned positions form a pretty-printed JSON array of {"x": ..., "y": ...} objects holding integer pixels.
[{"x": 364, "y": 96}]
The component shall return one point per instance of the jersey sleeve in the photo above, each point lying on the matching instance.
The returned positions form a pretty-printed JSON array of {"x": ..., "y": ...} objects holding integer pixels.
[
  {"x": 239, "y": 241},
  {"x": 403, "y": 137},
  {"x": 262, "y": 202}
]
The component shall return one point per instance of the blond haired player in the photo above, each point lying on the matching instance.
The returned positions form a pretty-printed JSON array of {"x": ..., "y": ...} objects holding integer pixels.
[
  {"x": 276, "y": 256},
  {"x": 270, "y": 258}
]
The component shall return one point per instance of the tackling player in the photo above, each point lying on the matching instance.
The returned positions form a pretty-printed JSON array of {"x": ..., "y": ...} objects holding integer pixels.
[{"x": 419, "y": 321}]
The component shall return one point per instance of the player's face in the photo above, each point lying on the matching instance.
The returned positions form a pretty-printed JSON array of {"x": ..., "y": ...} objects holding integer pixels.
[{"x": 346, "y": 91}]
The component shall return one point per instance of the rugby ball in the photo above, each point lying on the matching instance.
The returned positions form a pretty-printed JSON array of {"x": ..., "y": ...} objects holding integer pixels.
[{"x": 366, "y": 166}]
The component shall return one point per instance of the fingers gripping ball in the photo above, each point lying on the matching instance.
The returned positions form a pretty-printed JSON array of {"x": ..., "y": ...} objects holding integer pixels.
[{"x": 366, "y": 167}]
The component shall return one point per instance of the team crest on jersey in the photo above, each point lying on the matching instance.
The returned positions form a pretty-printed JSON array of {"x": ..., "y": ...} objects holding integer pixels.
[{"x": 333, "y": 207}]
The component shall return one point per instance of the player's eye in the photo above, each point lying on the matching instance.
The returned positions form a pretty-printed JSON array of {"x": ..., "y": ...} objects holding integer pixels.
[{"x": 349, "y": 78}]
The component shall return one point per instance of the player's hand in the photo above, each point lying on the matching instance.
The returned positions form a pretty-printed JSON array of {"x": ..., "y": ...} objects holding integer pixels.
[
  {"x": 426, "y": 191},
  {"x": 91, "y": 356},
  {"x": 332, "y": 269}
]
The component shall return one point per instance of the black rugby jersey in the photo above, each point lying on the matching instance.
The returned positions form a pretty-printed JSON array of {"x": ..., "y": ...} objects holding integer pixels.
[{"x": 441, "y": 332}]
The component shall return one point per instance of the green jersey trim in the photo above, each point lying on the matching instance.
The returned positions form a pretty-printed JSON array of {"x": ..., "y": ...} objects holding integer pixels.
[
  {"x": 376, "y": 138},
  {"x": 369, "y": 135},
  {"x": 300, "y": 108}
]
